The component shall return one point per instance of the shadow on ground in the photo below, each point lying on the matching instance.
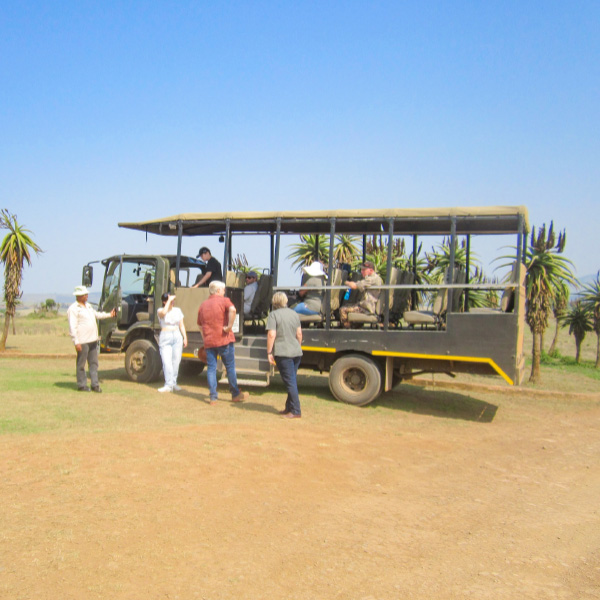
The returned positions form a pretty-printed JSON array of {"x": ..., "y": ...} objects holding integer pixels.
[
  {"x": 405, "y": 397},
  {"x": 413, "y": 399}
]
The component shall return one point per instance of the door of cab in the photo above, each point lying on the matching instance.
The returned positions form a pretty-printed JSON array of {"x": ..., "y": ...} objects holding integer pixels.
[{"x": 111, "y": 297}]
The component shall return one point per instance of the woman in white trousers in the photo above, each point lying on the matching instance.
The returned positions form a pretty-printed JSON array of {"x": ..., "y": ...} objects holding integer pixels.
[{"x": 171, "y": 342}]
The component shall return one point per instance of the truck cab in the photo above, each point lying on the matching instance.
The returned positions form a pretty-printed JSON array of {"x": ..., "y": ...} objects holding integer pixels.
[{"x": 134, "y": 284}]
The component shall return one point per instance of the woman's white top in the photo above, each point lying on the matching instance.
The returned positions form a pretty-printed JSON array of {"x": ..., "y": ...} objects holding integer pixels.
[{"x": 172, "y": 318}]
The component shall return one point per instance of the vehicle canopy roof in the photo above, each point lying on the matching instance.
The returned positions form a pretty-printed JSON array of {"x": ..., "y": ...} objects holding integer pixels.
[
  {"x": 148, "y": 258},
  {"x": 406, "y": 221}
]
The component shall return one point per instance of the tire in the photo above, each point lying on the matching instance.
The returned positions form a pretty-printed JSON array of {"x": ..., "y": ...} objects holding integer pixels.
[
  {"x": 355, "y": 379},
  {"x": 142, "y": 361}
]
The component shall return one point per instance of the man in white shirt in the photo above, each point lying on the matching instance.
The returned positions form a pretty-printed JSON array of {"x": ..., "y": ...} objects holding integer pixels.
[
  {"x": 250, "y": 290},
  {"x": 84, "y": 333}
]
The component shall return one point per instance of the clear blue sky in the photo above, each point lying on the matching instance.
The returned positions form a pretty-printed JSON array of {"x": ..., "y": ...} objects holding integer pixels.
[{"x": 123, "y": 111}]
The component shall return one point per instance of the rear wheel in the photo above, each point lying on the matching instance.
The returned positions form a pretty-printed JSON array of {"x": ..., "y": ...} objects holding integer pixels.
[
  {"x": 142, "y": 361},
  {"x": 355, "y": 379}
]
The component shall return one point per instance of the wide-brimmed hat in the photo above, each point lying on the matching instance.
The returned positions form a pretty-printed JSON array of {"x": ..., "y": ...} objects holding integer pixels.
[
  {"x": 368, "y": 265},
  {"x": 80, "y": 290},
  {"x": 315, "y": 269}
]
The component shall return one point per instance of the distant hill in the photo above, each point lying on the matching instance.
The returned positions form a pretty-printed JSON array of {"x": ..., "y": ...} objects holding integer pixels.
[{"x": 32, "y": 300}]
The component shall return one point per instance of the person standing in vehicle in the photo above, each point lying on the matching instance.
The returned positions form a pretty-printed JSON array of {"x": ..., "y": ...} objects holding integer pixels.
[
  {"x": 284, "y": 339},
  {"x": 83, "y": 329},
  {"x": 311, "y": 293},
  {"x": 212, "y": 271},
  {"x": 216, "y": 317},
  {"x": 172, "y": 341},
  {"x": 367, "y": 299}
]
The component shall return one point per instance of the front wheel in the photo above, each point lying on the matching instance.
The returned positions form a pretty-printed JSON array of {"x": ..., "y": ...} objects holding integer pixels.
[
  {"x": 355, "y": 379},
  {"x": 142, "y": 361}
]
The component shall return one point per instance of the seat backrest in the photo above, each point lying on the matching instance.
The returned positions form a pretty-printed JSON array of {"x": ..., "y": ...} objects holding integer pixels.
[
  {"x": 394, "y": 279},
  {"x": 235, "y": 279},
  {"x": 440, "y": 302},
  {"x": 189, "y": 301},
  {"x": 402, "y": 297},
  {"x": 460, "y": 276},
  {"x": 507, "y": 302},
  {"x": 262, "y": 299},
  {"x": 231, "y": 279},
  {"x": 336, "y": 279}
]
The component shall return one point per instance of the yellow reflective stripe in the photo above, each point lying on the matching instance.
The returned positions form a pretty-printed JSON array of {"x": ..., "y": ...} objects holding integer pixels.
[
  {"x": 319, "y": 349},
  {"x": 475, "y": 359},
  {"x": 188, "y": 355}
]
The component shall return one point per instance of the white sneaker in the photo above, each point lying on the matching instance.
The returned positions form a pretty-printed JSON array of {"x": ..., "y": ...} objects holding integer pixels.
[
  {"x": 165, "y": 388},
  {"x": 176, "y": 388}
]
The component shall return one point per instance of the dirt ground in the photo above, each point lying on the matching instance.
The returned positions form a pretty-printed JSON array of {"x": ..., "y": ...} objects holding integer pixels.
[{"x": 497, "y": 499}]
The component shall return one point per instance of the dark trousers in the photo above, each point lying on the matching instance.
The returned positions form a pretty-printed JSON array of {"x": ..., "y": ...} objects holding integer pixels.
[
  {"x": 288, "y": 369},
  {"x": 89, "y": 355}
]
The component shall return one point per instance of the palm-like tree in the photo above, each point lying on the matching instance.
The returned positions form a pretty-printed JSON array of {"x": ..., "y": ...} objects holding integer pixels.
[
  {"x": 579, "y": 320},
  {"x": 559, "y": 307},
  {"x": 309, "y": 249},
  {"x": 439, "y": 265},
  {"x": 417, "y": 263},
  {"x": 439, "y": 259},
  {"x": 591, "y": 301},
  {"x": 240, "y": 264},
  {"x": 345, "y": 249},
  {"x": 15, "y": 250},
  {"x": 546, "y": 270},
  {"x": 481, "y": 298}
]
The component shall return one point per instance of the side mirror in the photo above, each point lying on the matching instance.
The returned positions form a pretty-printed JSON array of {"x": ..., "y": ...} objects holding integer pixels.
[{"x": 87, "y": 276}]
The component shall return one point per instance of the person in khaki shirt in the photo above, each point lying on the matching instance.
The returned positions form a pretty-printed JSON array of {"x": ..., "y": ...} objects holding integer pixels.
[
  {"x": 83, "y": 329},
  {"x": 367, "y": 301}
]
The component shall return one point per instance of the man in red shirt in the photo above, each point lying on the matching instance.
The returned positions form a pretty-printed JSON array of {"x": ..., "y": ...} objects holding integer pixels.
[{"x": 216, "y": 317}]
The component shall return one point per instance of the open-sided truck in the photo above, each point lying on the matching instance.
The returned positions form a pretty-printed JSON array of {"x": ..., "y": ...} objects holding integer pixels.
[{"x": 401, "y": 340}]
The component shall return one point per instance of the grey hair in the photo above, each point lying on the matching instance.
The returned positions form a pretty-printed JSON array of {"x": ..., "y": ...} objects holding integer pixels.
[
  {"x": 280, "y": 300},
  {"x": 215, "y": 286}
]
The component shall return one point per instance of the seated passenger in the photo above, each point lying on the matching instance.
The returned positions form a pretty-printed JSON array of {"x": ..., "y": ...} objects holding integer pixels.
[
  {"x": 311, "y": 293},
  {"x": 250, "y": 290},
  {"x": 367, "y": 299}
]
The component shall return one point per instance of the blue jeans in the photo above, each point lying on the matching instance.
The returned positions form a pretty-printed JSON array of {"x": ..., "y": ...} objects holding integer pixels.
[
  {"x": 227, "y": 354},
  {"x": 170, "y": 346},
  {"x": 288, "y": 368},
  {"x": 302, "y": 309}
]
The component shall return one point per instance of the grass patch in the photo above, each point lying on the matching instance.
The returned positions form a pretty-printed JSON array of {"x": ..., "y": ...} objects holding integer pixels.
[
  {"x": 567, "y": 364},
  {"x": 38, "y": 324}
]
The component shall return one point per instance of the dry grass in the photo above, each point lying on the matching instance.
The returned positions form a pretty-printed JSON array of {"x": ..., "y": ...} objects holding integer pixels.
[{"x": 423, "y": 494}]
